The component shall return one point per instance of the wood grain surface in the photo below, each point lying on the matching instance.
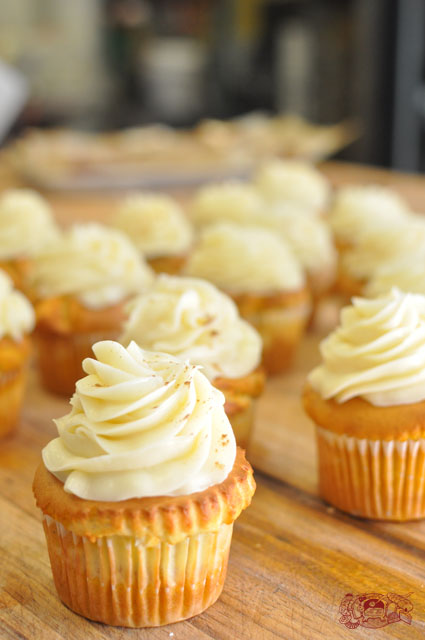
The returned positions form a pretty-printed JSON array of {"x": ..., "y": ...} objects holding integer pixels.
[{"x": 293, "y": 557}]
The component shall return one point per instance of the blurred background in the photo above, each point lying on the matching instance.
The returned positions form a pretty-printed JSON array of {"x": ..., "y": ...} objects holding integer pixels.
[{"x": 107, "y": 64}]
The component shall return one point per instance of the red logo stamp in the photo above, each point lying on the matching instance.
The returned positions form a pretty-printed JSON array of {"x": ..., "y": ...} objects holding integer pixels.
[{"x": 374, "y": 610}]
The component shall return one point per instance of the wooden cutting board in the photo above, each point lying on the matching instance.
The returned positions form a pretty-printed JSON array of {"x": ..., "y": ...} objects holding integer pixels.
[{"x": 293, "y": 558}]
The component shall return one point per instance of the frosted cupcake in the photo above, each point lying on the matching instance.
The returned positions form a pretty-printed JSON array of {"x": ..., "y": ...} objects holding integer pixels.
[
  {"x": 26, "y": 225},
  {"x": 358, "y": 210},
  {"x": 259, "y": 271},
  {"x": 311, "y": 242},
  {"x": 192, "y": 320},
  {"x": 140, "y": 490},
  {"x": 16, "y": 323},
  {"x": 359, "y": 264},
  {"x": 293, "y": 181},
  {"x": 367, "y": 400},
  {"x": 407, "y": 274},
  {"x": 230, "y": 201},
  {"x": 82, "y": 284},
  {"x": 159, "y": 229}
]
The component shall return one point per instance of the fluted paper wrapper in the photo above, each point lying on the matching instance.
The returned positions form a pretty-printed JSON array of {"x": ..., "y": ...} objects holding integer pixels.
[
  {"x": 118, "y": 581},
  {"x": 376, "y": 479}
]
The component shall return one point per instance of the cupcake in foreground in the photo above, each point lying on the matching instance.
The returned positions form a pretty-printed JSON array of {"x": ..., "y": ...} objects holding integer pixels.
[
  {"x": 293, "y": 181},
  {"x": 367, "y": 400},
  {"x": 81, "y": 284},
  {"x": 140, "y": 490},
  {"x": 259, "y": 271},
  {"x": 26, "y": 225},
  {"x": 192, "y": 320},
  {"x": 159, "y": 229},
  {"x": 17, "y": 320},
  {"x": 231, "y": 201}
]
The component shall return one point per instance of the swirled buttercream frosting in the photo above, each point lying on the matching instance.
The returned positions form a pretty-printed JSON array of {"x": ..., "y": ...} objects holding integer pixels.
[
  {"x": 293, "y": 181},
  {"x": 230, "y": 201},
  {"x": 97, "y": 264},
  {"x": 16, "y": 313},
  {"x": 237, "y": 258},
  {"x": 141, "y": 424},
  {"x": 192, "y": 320},
  {"x": 26, "y": 223},
  {"x": 377, "y": 353},
  {"x": 155, "y": 223}
]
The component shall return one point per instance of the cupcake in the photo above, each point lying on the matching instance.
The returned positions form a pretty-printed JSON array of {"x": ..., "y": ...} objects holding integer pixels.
[
  {"x": 26, "y": 225},
  {"x": 407, "y": 274},
  {"x": 385, "y": 246},
  {"x": 194, "y": 321},
  {"x": 16, "y": 322},
  {"x": 367, "y": 400},
  {"x": 140, "y": 490},
  {"x": 231, "y": 201},
  {"x": 293, "y": 181},
  {"x": 358, "y": 210},
  {"x": 159, "y": 229},
  {"x": 82, "y": 284},
  {"x": 311, "y": 242},
  {"x": 259, "y": 271}
]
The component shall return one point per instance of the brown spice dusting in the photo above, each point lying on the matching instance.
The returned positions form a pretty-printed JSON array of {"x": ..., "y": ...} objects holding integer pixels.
[{"x": 219, "y": 465}]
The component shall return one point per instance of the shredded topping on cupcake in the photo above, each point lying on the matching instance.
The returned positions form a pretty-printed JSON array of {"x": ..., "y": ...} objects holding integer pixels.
[
  {"x": 237, "y": 258},
  {"x": 26, "y": 223},
  {"x": 192, "y": 320},
  {"x": 141, "y": 424},
  {"x": 377, "y": 353},
  {"x": 16, "y": 313},
  {"x": 156, "y": 224},
  {"x": 97, "y": 264}
]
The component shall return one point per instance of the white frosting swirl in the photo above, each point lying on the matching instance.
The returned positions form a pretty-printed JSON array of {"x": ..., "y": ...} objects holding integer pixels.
[
  {"x": 359, "y": 210},
  {"x": 407, "y": 274},
  {"x": 26, "y": 223},
  {"x": 231, "y": 201},
  {"x": 293, "y": 181},
  {"x": 192, "y": 320},
  {"x": 377, "y": 353},
  {"x": 97, "y": 264},
  {"x": 388, "y": 244},
  {"x": 155, "y": 223},
  {"x": 142, "y": 424},
  {"x": 237, "y": 258},
  {"x": 308, "y": 236},
  {"x": 16, "y": 313}
]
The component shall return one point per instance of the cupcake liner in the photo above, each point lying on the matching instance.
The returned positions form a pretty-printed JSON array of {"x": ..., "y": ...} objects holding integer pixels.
[
  {"x": 281, "y": 331},
  {"x": 381, "y": 479},
  {"x": 12, "y": 386},
  {"x": 60, "y": 357},
  {"x": 118, "y": 580}
]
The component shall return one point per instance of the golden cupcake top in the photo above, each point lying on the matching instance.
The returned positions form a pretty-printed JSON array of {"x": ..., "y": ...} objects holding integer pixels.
[
  {"x": 155, "y": 223},
  {"x": 26, "y": 223},
  {"x": 141, "y": 424},
  {"x": 358, "y": 210},
  {"x": 17, "y": 316},
  {"x": 239, "y": 259},
  {"x": 192, "y": 320},
  {"x": 308, "y": 236},
  {"x": 293, "y": 181},
  {"x": 231, "y": 201},
  {"x": 376, "y": 353},
  {"x": 97, "y": 264}
]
